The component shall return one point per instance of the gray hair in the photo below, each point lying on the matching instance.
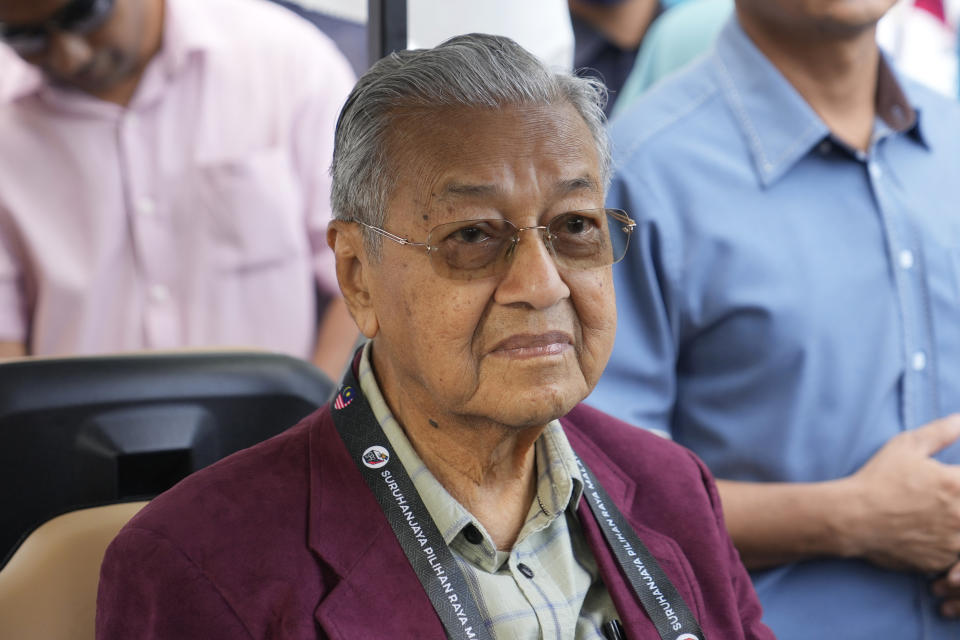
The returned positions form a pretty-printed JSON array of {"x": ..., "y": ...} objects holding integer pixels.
[{"x": 476, "y": 70}]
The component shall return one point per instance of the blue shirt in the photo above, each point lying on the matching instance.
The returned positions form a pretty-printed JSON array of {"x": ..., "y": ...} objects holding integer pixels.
[{"x": 790, "y": 304}]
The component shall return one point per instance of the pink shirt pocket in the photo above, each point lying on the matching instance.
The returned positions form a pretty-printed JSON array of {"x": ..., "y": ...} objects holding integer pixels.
[{"x": 249, "y": 211}]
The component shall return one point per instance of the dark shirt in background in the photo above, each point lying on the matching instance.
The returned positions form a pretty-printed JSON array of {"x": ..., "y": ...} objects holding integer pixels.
[{"x": 595, "y": 55}]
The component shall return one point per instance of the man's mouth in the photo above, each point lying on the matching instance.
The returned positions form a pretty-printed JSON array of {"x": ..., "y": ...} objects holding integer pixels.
[{"x": 528, "y": 345}]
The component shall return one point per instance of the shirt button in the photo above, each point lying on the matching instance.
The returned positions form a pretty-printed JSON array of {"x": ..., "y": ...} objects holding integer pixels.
[
  {"x": 875, "y": 170},
  {"x": 146, "y": 206},
  {"x": 472, "y": 534},
  {"x": 159, "y": 293},
  {"x": 919, "y": 361},
  {"x": 906, "y": 258},
  {"x": 525, "y": 570}
]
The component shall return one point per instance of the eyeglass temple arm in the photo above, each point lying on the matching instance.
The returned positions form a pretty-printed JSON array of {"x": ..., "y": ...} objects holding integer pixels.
[
  {"x": 387, "y": 234},
  {"x": 622, "y": 216}
]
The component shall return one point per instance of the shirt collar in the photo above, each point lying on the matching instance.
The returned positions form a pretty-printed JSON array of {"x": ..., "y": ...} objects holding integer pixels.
[
  {"x": 559, "y": 485},
  {"x": 17, "y": 78},
  {"x": 779, "y": 125},
  {"x": 558, "y": 473},
  {"x": 187, "y": 31},
  {"x": 893, "y": 105}
]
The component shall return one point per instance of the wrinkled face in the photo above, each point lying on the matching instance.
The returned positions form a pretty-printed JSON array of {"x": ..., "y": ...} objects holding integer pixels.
[
  {"x": 837, "y": 17},
  {"x": 520, "y": 348},
  {"x": 93, "y": 61}
]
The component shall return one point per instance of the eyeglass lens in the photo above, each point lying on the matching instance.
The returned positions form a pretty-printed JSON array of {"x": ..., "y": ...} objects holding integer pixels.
[
  {"x": 78, "y": 16},
  {"x": 472, "y": 249}
]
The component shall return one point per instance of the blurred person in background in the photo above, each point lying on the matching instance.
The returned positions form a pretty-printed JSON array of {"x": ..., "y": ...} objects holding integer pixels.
[
  {"x": 163, "y": 179},
  {"x": 677, "y": 37},
  {"x": 918, "y": 36},
  {"x": 453, "y": 487},
  {"x": 607, "y": 36},
  {"x": 790, "y": 312}
]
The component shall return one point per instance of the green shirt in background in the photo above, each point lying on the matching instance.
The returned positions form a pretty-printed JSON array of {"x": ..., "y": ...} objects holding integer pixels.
[{"x": 678, "y": 36}]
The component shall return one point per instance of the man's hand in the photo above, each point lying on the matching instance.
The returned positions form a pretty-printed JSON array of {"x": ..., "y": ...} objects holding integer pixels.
[
  {"x": 900, "y": 510},
  {"x": 948, "y": 588},
  {"x": 905, "y": 506}
]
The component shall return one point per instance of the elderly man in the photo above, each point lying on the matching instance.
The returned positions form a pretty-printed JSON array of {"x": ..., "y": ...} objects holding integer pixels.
[
  {"x": 454, "y": 486},
  {"x": 161, "y": 178},
  {"x": 791, "y": 312}
]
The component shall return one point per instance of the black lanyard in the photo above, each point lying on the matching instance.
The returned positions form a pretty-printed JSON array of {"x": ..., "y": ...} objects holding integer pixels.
[
  {"x": 660, "y": 599},
  {"x": 432, "y": 559}
]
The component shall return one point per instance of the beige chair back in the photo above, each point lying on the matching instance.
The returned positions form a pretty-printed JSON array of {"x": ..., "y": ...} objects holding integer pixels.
[{"x": 48, "y": 589}]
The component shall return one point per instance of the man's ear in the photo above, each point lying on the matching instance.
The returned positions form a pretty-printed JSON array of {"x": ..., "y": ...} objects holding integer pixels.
[{"x": 353, "y": 273}]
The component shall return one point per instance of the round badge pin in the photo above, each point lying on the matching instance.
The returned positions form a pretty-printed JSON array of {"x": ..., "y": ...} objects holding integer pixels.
[
  {"x": 376, "y": 456},
  {"x": 687, "y": 636}
]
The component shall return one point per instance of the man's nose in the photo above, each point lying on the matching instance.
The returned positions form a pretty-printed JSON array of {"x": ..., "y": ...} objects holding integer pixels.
[
  {"x": 67, "y": 54},
  {"x": 532, "y": 276}
]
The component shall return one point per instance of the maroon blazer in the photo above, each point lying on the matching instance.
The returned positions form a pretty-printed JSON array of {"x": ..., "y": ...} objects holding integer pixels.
[{"x": 285, "y": 540}]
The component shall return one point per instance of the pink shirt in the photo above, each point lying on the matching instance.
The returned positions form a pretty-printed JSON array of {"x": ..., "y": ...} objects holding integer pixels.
[{"x": 197, "y": 215}]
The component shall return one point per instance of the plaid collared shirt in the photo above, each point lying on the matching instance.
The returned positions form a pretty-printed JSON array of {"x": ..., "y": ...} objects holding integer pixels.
[{"x": 548, "y": 586}]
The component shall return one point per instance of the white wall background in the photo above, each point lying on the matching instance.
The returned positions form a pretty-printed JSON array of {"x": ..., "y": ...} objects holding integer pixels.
[{"x": 541, "y": 26}]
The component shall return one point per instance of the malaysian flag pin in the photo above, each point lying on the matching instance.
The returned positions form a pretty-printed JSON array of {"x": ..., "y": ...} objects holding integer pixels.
[{"x": 344, "y": 398}]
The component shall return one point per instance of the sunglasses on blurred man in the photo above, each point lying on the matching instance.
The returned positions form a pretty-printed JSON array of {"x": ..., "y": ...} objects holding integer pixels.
[{"x": 78, "y": 17}]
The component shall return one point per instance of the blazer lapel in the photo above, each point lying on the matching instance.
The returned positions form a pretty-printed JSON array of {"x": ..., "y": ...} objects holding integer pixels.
[{"x": 375, "y": 591}]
